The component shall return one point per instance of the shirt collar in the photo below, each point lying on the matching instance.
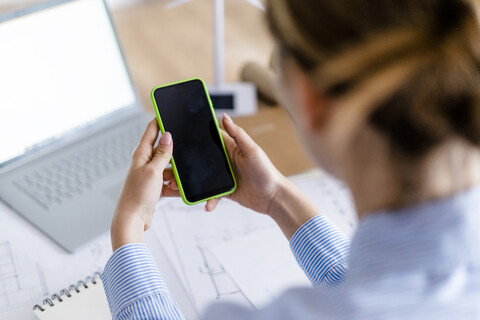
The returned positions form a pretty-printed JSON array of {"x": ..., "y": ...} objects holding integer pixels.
[{"x": 438, "y": 235}]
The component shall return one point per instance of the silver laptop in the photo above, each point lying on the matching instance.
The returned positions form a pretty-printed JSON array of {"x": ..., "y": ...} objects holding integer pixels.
[{"x": 69, "y": 118}]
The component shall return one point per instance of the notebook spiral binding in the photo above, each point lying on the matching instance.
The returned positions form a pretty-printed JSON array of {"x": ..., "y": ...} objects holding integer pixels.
[{"x": 65, "y": 293}]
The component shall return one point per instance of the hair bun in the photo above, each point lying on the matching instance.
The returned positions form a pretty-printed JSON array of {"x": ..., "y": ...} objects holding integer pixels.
[
  {"x": 464, "y": 114},
  {"x": 451, "y": 15},
  {"x": 352, "y": 42}
]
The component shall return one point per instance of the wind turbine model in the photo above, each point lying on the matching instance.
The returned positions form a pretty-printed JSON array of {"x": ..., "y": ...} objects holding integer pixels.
[{"x": 236, "y": 99}]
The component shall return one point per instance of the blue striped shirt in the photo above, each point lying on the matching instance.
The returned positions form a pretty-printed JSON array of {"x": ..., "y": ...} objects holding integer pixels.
[{"x": 417, "y": 263}]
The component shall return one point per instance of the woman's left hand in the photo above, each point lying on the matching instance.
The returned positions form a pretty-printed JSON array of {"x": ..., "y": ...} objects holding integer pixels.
[{"x": 143, "y": 187}]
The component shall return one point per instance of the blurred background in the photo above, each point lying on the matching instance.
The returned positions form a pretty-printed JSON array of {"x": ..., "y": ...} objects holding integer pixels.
[
  {"x": 20, "y": 3},
  {"x": 163, "y": 45}
]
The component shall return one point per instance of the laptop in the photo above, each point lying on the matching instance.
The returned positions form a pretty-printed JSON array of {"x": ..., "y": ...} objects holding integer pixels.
[{"x": 69, "y": 118}]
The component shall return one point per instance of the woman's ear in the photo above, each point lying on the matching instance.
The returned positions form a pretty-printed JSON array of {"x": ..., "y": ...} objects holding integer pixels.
[{"x": 313, "y": 106}]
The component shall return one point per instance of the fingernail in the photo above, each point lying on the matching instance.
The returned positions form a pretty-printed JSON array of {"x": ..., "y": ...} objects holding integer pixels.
[
  {"x": 172, "y": 184},
  {"x": 166, "y": 139},
  {"x": 227, "y": 117}
]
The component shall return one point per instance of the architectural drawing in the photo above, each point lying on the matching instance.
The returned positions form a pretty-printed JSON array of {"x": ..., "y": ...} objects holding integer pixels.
[
  {"x": 33, "y": 267},
  {"x": 21, "y": 279},
  {"x": 187, "y": 233}
]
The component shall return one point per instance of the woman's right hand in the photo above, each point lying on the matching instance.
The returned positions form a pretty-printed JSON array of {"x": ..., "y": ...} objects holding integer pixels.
[
  {"x": 258, "y": 181},
  {"x": 260, "y": 186}
]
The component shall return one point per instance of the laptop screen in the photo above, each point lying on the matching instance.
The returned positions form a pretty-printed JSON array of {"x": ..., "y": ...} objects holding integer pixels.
[{"x": 60, "y": 70}]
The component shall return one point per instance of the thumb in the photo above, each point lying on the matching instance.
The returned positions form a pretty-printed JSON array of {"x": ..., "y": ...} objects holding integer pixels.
[
  {"x": 163, "y": 151},
  {"x": 244, "y": 142}
]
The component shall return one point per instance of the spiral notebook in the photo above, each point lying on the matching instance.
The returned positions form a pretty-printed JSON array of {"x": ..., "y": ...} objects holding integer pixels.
[{"x": 85, "y": 300}]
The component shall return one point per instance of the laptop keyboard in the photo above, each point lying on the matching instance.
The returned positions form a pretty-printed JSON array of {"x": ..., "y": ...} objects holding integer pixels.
[{"x": 65, "y": 177}]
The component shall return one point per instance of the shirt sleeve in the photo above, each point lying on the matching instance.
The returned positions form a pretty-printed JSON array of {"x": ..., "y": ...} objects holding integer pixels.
[
  {"x": 135, "y": 288},
  {"x": 321, "y": 251}
]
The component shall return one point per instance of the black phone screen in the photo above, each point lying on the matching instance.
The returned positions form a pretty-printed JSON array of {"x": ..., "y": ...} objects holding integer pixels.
[{"x": 197, "y": 149}]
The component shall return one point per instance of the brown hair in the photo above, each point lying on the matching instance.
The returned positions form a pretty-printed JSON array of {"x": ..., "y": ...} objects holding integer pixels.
[{"x": 342, "y": 44}]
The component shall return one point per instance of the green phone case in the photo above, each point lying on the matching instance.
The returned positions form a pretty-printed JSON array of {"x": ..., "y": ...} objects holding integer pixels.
[{"x": 172, "y": 161}]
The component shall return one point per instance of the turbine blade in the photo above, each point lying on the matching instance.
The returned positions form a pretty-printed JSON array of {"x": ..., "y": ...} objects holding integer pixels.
[
  {"x": 175, "y": 3},
  {"x": 257, "y": 4}
]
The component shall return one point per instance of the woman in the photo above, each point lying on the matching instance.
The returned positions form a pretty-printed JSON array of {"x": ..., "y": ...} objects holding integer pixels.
[{"x": 385, "y": 96}]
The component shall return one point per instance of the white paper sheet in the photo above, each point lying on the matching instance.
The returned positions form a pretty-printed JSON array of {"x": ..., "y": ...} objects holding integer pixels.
[
  {"x": 262, "y": 265},
  {"x": 331, "y": 197},
  {"x": 187, "y": 232}
]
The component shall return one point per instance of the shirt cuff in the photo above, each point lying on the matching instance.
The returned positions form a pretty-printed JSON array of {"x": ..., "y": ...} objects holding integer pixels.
[
  {"x": 321, "y": 250},
  {"x": 130, "y": 274}
]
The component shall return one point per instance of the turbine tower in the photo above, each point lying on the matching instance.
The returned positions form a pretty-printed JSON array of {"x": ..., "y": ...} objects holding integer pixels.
[{"x": 236, "y": 99}]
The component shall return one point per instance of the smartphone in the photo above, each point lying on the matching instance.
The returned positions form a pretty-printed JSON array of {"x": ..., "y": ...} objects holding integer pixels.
[{"x": 200, "y": 162}]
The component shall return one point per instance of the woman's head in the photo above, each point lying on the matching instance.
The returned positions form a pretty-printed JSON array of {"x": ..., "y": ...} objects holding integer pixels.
[{"x": 405, "y": 72}]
